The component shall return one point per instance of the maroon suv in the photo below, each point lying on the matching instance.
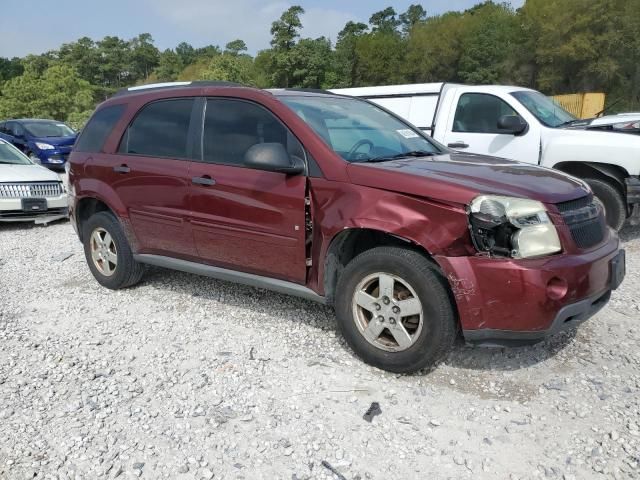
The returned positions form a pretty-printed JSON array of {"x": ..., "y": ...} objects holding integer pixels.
[{"x": 337, "y": 200}]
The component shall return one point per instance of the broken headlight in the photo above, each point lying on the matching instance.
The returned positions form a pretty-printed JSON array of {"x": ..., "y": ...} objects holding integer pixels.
[{"x": 512, "y": 227}]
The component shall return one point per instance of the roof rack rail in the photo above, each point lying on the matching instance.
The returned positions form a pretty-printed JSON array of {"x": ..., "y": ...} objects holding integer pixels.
[
  {"x": 170, "y": 85},
  {"x": 311, "y": 90}
]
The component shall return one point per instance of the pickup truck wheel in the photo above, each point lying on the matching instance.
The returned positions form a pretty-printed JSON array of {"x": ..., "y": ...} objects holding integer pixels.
[
  {"x": 108, "y": 253},
  {"x": 394, "y": 309},
  {"x": 613, "y": 201}
]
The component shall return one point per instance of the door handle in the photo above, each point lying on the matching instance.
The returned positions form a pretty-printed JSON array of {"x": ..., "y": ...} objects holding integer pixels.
[
  {"x": 205, "y": 180},
  {"x": 458, "y": 145},
  {"x": 122, "y": 169}
]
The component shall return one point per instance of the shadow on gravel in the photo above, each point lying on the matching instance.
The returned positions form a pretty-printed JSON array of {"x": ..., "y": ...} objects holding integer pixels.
[
  {"x": 512, "y": 358},
  {"x": 288, "y": 308},
  {"x": 23, "y": 226},
  {"x": 629, "y": 232}
]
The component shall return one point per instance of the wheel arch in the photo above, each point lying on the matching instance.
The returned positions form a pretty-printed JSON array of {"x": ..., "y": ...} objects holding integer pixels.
[
  {"x": 613, "y": 174},
  {"x": 350, "y": 242}
]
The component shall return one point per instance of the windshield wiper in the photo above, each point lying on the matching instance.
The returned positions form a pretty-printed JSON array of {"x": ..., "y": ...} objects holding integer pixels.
[{"x": 412, "y": 153}]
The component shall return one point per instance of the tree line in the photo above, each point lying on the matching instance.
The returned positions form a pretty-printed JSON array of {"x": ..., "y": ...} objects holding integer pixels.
[{"x": 556, "y": 47}]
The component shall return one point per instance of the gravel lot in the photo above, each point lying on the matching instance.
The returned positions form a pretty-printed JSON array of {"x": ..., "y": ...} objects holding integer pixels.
[{"x": 186, "y": 377}]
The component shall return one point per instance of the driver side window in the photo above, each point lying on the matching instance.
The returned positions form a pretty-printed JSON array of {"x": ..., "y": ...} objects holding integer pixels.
[{"x": 479, "y": 113}]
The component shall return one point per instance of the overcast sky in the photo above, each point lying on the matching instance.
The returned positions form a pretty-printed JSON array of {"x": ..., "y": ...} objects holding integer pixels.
[{"x": 35, "y": 26}]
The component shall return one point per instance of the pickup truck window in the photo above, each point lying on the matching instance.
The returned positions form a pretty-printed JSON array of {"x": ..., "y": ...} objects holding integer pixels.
[
  {"x": 479, "y": 113},
  {"x": 357, "y": 130},
  {"x": 547, "y": 111}
]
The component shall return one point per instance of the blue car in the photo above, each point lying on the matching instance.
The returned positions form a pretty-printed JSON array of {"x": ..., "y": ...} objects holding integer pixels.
[{"x": 46, "y": 142}]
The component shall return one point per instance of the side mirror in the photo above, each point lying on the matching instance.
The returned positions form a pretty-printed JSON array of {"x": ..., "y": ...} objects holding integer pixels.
[
  {"x": 272, "y": 157},
  {"x": 511, "y": 124}
]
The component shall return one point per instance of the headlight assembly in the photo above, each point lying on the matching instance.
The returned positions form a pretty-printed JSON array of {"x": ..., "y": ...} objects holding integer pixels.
[
  {"x": 512, "y": 227},
  {"x": 44, "y": 146}
]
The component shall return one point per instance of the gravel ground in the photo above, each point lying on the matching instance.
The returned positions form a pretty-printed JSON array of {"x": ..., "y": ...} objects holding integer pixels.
[{"x": 186, "y": 377}]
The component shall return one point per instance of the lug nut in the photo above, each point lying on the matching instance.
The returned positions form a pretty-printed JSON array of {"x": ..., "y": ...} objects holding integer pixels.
[
  {"x": 381, "y": 319},
  {"x": 392, "y": 321},
  {"x": 396, "y": 309},
  {"x": 385, "y": 300},
  {"x": 377, "y": 306}
]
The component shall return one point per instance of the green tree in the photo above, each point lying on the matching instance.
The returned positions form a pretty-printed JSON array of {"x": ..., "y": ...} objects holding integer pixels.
[
  {"x": 486, "y": 43},
  {"x": 380, "y": 58},
  {"x": 384, "y": 21},
  {"x": 114, "y": 68},
  {"x": 284, "y": 33},
  {"x": 58, "y": 93},
  {"x": 311, "y": 60},
  {"x": 434, "y": 49},
  {"x": 143, "y": 57},
  {"x": 229, "y": 67},
  {"x": 82, "y": 55},
  {"x": 414, "y": 14},
  {"x": 10, "y": 68},
  {"x": 169, "y": 66},
  {"x": 235, "y": 47},
  {"x": 345, "y": 56},
  {"x": 186, "y": 53}
]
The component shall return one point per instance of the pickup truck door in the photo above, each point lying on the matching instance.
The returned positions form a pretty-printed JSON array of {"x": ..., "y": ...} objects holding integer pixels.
[
  {"x": 246, "y": 219},
  {"x": 472, "y": 126}
]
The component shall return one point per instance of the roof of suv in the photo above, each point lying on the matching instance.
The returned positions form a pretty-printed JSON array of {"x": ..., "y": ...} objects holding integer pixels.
[{"x": 176, "y": 87}]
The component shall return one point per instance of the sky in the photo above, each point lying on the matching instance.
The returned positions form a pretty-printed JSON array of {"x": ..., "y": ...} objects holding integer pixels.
[{"x": 42, "y": 25}]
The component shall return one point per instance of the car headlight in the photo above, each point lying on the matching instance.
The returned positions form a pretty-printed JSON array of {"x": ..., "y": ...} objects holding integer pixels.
[
  {"x": 512, "y": 227},
  {"x": 44, "y": 146},
  {"x": 630, "y": 126}
]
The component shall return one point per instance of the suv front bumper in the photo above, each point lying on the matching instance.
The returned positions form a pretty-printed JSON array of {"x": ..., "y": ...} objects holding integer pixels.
[{"x": 511, "y": 302}]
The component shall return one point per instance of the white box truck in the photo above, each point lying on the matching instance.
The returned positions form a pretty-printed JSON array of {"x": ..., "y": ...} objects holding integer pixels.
[{"x": 524, "y": 125}]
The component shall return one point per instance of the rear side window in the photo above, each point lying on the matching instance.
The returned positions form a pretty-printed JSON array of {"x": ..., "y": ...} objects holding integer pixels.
[
  {"x": 161, "y": 129},
  {"x": 95, "y": 133}
]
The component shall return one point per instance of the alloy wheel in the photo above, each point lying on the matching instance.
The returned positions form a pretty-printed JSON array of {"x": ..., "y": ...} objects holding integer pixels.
[{"x": 387, "y": 312}]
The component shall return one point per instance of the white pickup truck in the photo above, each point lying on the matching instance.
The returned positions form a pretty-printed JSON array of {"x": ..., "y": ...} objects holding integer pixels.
[{"x": 521, "y": 124}]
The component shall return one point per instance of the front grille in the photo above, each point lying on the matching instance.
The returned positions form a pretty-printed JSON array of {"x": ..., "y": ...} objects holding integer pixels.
[
  {"x": 30, "y": 190},
  {"x": 585, "y": 219},
  {"x": 575, "y": 204}
]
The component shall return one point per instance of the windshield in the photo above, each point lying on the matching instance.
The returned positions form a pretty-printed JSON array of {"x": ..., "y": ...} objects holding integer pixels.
[
  {"x": 10, "y": 155},
  {"x": 359, "y": 131},
  {"x": 48, "y": 129},
  {"x": 546, "y": 110}
]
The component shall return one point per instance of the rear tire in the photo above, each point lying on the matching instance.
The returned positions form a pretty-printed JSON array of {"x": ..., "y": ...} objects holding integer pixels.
[
  {"x": 108, "y": 252},
  {"x": 613, "y": 201},
  {"x": 388, "y": 334}
]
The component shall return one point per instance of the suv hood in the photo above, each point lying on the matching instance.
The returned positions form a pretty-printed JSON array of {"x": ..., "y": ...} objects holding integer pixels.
[
  {"x": 460, "y": 177},
  {"x": 26, "y": 173},
  {"x": 56, "y": 141}
]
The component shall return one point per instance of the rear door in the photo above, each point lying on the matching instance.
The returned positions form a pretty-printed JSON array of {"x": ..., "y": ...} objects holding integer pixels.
[
  {"x": 474, "y": 128},
  {"x": 150, "y": 175},
  {"x": 246, "y": 219}
]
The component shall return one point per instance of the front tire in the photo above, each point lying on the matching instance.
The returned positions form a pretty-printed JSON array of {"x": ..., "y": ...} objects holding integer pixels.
[
  {"x": 395, "y": 310},
  {"x": 613, "y": 201},
  {"x": 108, "y": 253}
]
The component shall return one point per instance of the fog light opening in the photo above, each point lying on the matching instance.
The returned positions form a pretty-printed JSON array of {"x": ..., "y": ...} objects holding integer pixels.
[{"x": 557, "y": 288}]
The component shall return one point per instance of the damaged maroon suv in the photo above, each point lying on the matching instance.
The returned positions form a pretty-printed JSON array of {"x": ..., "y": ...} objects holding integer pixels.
[{"x": 337, "y": 200}]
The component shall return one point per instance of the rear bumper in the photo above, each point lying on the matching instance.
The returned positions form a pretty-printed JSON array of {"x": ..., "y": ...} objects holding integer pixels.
[{"x": 507, "y": 301}]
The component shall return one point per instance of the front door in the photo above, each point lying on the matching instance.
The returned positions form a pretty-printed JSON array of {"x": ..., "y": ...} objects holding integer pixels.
[
  {"x": 150, "y": 175},
  {"x": 246, "y": 219},
  {"x": 474, "y": 129}
]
